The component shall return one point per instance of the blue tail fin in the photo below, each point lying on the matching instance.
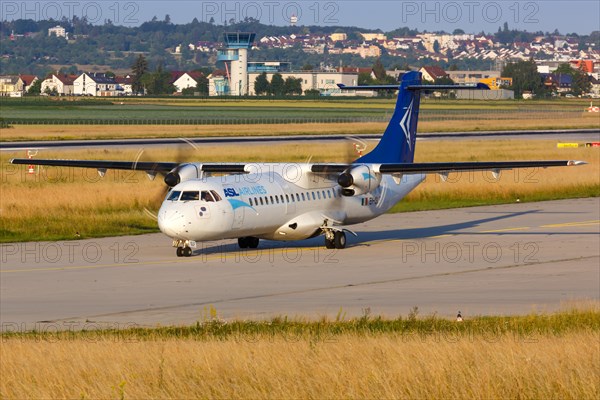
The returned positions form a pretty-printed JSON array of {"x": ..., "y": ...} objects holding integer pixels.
[{"x": 397, "y": 144}]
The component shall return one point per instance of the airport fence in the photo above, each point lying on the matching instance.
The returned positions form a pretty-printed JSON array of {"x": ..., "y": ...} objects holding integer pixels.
[{"x": 425, "y": 115}]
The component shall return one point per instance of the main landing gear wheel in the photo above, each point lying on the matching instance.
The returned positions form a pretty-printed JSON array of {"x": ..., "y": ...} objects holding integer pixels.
[
  {"x": 335, "y": 239},
  {"x": 339, "y": 240},
  {"x": 248, "y": 242},
  {"x": 184, "y": 252}
]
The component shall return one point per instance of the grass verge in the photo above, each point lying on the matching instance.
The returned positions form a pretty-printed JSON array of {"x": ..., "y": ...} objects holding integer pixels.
[{"x": 534, "y": 356}]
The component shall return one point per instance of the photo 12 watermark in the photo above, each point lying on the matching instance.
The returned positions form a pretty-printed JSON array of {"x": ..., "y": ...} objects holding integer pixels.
[{"x": 94, "y": 12}]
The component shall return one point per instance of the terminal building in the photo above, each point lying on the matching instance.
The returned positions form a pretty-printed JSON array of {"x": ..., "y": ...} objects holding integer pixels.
[{"x": 239, "y": 74}]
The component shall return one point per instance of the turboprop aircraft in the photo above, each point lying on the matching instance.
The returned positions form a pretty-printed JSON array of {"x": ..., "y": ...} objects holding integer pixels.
[{"x": 249, "y": 202}]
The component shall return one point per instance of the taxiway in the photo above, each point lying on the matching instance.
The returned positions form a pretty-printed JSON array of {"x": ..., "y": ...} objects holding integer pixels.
[{"x": 507, "y": 259}]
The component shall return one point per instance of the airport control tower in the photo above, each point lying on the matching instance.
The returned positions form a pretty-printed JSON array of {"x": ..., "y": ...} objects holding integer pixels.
[{"x": 235, "y": 57}]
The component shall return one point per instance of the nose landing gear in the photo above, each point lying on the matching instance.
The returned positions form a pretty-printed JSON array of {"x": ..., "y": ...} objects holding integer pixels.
[
  {"x": 184, "y": 252},
  {"x": 184, "y": 247}
]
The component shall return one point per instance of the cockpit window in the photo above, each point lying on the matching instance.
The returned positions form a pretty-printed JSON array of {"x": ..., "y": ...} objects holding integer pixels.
[
  {"x": 216, "y": 195},
  {"x": 206, "y": 196},
  {"x": 174, "y": 196},
  {"x": 190, "y": 196}
]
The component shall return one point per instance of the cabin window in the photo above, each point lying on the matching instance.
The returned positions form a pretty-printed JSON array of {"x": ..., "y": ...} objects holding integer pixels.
[
  {"x": 277, "y": 199},
  {"x": 190, "y": 196},
  {"x": 255, "y": 201},
  {"x": 303, "y": 198},
  {"x": 298, "y": 197},
  {"x": 261, "y": 201},
  {"x": 281, "y": 198},
  {"x": 174, "y": 196},
  {"x": 272, "y": 201},
  {"x": 319, "y": 195},
  {"x": 329, "y": 193},
  {"x": 287, "y": 198},
  {"x": 314, "y": 197},
  {"x": 251, "y": 202},
  {"x": 324, "y": 195}
]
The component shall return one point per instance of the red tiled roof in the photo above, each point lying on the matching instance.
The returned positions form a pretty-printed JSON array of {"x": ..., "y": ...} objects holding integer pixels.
[
  {"x": 27, "y": 79},
  {"x": 178, "y": 74},
  {"x": 435, "y": 71},
  {"x": 66, "y": 79},
  {"x": 124, "y": 80}
]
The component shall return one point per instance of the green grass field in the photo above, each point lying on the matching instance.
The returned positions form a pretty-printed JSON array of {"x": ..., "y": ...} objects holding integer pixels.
[{"x": 231, "y": 111}]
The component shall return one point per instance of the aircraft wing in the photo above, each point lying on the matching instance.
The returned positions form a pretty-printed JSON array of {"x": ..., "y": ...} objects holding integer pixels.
[
  {"x": 150, "y": 167},
  {"x": 444, "y": 167}
]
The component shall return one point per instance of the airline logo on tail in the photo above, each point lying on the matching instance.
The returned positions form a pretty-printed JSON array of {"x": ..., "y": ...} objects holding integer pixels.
[{"x": 405, "y": 124}]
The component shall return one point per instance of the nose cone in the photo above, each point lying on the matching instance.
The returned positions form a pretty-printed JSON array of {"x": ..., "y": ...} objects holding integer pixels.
[{"x": 171, "y": 222}]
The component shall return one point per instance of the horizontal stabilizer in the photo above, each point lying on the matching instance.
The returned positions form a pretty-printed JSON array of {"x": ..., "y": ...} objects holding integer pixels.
[{"x": 478, "y": 86}]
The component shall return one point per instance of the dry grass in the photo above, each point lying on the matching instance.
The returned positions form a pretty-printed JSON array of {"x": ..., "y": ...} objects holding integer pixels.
[
  {"x": 69, "y": 132},
  {"x": 347, "y": 366},
  {"x": 475, "y": 188},
  {"x": 59, "y": 202}
]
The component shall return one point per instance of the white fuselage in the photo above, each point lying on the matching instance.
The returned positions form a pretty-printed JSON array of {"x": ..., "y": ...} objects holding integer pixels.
[{"x": 276, "y": 205}]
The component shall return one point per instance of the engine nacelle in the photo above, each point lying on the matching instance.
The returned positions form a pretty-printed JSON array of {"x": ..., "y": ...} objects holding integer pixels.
[
  {"x": 183, "y": 172},
  {"x": 358, "y": 180}
]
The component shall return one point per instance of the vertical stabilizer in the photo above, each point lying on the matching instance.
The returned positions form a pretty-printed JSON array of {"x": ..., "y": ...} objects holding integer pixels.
[{"x": 397, "y": 144}]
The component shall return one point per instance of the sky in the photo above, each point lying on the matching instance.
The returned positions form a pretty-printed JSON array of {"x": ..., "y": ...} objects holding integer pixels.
[{"x": 472, "y": 16}]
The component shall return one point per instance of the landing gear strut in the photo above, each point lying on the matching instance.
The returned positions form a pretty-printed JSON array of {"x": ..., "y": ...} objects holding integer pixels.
[
  {"x": 248, "y": 242},
  {"x": 335, "y": 239}
]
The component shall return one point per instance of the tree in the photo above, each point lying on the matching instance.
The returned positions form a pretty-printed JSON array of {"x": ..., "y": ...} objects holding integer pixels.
[
  {"x": 308, "y": 67},
  {"x": 138, "y": 69},
  {"x": 277, "y": 85},
  {"x": 158, "y": 82},
  {"x": 293, "y": 86},
  {"x": 36, "y": 88},
  {"x": 202, "y": 86},
  {"x": 525, "y": 78},
  {"x": 379, "y": 70},
  {"x": 364, "y": 78},
  {"x": 581, "y": 82},
  {"x": 261, "y": 84},
  {"x": 436, "y": 47},
  {"x": 312, "y": 93}
]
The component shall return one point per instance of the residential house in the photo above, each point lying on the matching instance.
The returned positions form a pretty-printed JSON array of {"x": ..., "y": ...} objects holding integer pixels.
[
  {"x": 336, "y": 37},
  {"x": 124, "y": 85},
  {"x": 558, "y": 82},
  {"x": 595, "y": 89},
  {"x": 57, "y": 31},
  {"x": 433, "y": 72},
  {"x": 372, "y": 36},
  {"x": 26, "y": 81},
  {"x": 61, "y": 84},
  {"x": 185, "y": 80},
  {"x": 95, "y": 84},
  {"x": 8, "y": 86}
]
